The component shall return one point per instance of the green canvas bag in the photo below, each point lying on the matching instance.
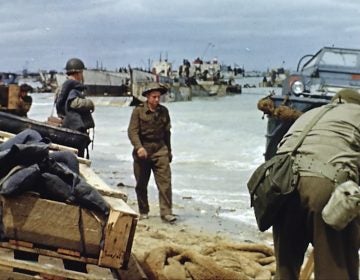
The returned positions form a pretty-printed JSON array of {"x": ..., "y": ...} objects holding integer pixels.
[{"x": 270, "y": 186}]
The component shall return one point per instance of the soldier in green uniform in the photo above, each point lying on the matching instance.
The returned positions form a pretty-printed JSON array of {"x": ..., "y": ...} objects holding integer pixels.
[{"x": 149, "y": 133}]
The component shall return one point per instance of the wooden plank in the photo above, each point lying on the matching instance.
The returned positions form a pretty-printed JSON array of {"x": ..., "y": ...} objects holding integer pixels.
[
  {"x": 48, "y": 268},
  {"x": 9, "y": 253},
  {"x": 46, "y": 252},
  {"x": 10, "y": 275},
  {"x": 42, "y": 269},
  {"x": 308, "y": 268},
  {"x": 21, "y": 243},
  {"x": 102, "y": 272},
  {"x": 121, "y": 206},
  {"x": 95, "y": 181},
  {"x": 114, "y": 252},
  {"x": 13, "y": 98},
  {"x": 68, "y": 252},
  {"x": 51, "y": 262},
  {"x": 56, "y": 224},
  {"x": 51, "y": 223}
]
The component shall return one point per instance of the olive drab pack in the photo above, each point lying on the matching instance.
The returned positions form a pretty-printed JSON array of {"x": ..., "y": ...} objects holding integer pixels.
[
  {"x": 270, "y": 186},
  {"x": 275, "y": 180}
]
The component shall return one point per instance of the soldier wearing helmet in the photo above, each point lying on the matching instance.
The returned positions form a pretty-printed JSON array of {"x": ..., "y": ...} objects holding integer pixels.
[
  {"x": 71, "y": 105},
  {"x": 149, "y": 133}
]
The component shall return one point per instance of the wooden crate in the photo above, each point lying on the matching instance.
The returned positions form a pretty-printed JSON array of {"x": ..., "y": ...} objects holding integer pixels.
[
  {"x": 9, "y": 96},
  {"x": 74, "y": 230}
]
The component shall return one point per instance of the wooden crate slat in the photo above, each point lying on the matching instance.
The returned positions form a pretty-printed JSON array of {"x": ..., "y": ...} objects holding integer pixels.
[
  {"x": 50, "y": 223},
  {"x": 47, "y": 252},
  {"x": 40, "y": 268},
  {"x": 114, "y": 252},
  {"x": 94, "y": 180}
]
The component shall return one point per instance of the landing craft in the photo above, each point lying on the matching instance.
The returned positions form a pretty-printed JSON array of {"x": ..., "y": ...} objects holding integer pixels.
[{"x": 317, "y": 79}]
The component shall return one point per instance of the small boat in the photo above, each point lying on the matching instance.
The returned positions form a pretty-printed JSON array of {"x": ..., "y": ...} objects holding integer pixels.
[{"x": 58, "y": 135}]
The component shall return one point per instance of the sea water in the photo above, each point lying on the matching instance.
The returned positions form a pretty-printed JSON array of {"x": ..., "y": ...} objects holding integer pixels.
[{"x": 217, "y": 143}]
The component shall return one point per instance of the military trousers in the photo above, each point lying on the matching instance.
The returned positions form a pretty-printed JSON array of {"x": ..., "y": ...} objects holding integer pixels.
[
  {"x": 158, "y": 163},
  {"x": 300, "y": 223}
]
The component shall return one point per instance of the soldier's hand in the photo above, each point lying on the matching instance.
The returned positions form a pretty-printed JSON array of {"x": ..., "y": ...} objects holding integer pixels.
[{"x": 142, "y": 153}]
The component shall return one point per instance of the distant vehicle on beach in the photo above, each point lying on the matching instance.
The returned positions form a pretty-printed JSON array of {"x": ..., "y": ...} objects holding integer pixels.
[{"x": 317, "y": 79}]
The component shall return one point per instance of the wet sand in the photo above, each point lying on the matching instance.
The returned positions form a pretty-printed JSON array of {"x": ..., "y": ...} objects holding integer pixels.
[{"x": 196, "y": 230}]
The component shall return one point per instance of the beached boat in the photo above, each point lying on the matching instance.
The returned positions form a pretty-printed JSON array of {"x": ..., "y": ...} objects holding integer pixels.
[
  {"x": 100, "y": 82},
  {"x": 58, "y": 135},
  {"x": 178, "y": 90},
  {"x": 209, "y": 78},
  {"x": 314, "y": 83}
]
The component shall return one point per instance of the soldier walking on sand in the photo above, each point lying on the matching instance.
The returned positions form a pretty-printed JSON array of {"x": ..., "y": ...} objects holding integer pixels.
[{"x": 149, "y": 133}]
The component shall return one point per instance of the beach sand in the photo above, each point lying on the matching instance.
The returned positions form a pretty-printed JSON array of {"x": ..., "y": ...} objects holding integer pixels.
[{"x": 200, "y": 245}]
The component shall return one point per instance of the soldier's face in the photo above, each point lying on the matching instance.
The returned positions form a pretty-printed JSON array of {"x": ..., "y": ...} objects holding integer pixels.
[{"x": 153, "y": 99}]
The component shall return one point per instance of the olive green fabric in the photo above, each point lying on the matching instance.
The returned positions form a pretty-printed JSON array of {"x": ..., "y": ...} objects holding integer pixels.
[
  {"x": 147, "y": 127},
  {"x": 301, "y": 223},
  {"x": 157, "y": 162},
  {"x": 349, "y": 95},
  {"x": 334, "y": 139},
  {"x": 151, "y": 131}
]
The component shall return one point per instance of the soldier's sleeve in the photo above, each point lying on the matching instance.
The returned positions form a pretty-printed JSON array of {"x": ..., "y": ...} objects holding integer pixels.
[
  {"x": 134, "y": 130},
  {"x": 82, "y": 104},
  {"x": 167, "y": 133}
]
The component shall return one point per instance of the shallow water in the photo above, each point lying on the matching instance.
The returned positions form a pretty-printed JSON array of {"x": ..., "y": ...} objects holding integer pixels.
[{"x": 217, "y": 143}]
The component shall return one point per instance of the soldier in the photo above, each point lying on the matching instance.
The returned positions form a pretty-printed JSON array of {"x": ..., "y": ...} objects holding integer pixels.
[
  {"x": 25, "y": 101},
  {"x": 71, "y": 104},
  {"x": 149, "y": 133},
  {"x": 330, "y": 149}
]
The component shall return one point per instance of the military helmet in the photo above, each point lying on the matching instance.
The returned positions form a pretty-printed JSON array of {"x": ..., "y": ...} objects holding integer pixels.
[
  {"x": 74, "y": 65},
  {"x": 349, "y": 95},
  {"x": 26, "y": 88},
  {"x": 153, "y": 86}
]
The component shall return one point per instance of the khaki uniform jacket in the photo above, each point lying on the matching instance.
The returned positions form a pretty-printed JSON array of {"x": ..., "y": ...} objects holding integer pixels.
[
  {"x": 147, "y": 128},
  {"x": 334, "y": 139}
]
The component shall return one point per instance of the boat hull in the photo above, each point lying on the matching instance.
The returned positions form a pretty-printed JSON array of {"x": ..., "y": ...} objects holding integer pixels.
[{"x": 58, "y": 135}]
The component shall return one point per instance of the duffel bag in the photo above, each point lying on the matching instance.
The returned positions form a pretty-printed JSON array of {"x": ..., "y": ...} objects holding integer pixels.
[{"x": 269, "y": 187}]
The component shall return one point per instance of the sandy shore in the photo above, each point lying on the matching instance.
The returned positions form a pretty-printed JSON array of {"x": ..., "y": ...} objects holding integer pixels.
[{"x": 235, "y": 248}]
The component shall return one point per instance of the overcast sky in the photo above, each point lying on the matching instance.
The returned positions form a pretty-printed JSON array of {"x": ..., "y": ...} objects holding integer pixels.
[{"x": 256, "y": 34}]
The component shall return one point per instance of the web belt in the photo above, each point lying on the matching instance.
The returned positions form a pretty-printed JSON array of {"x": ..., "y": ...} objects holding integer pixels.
[{"x": 327, "y": 170}]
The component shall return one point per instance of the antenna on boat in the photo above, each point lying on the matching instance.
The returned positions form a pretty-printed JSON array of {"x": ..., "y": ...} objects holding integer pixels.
[{"x": 206, "y": 49}]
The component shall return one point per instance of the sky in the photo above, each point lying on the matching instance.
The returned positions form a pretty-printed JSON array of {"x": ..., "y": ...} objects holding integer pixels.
[{"x": 254, "y": 34}]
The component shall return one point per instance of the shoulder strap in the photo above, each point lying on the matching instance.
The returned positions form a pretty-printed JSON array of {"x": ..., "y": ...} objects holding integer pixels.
[{"x": 310, "y": 125}]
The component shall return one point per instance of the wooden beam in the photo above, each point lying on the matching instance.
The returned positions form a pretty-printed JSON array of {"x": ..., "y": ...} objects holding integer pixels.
[
  {"x": 95, "y": 181},
  {"x": 308, "y": 268}
]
